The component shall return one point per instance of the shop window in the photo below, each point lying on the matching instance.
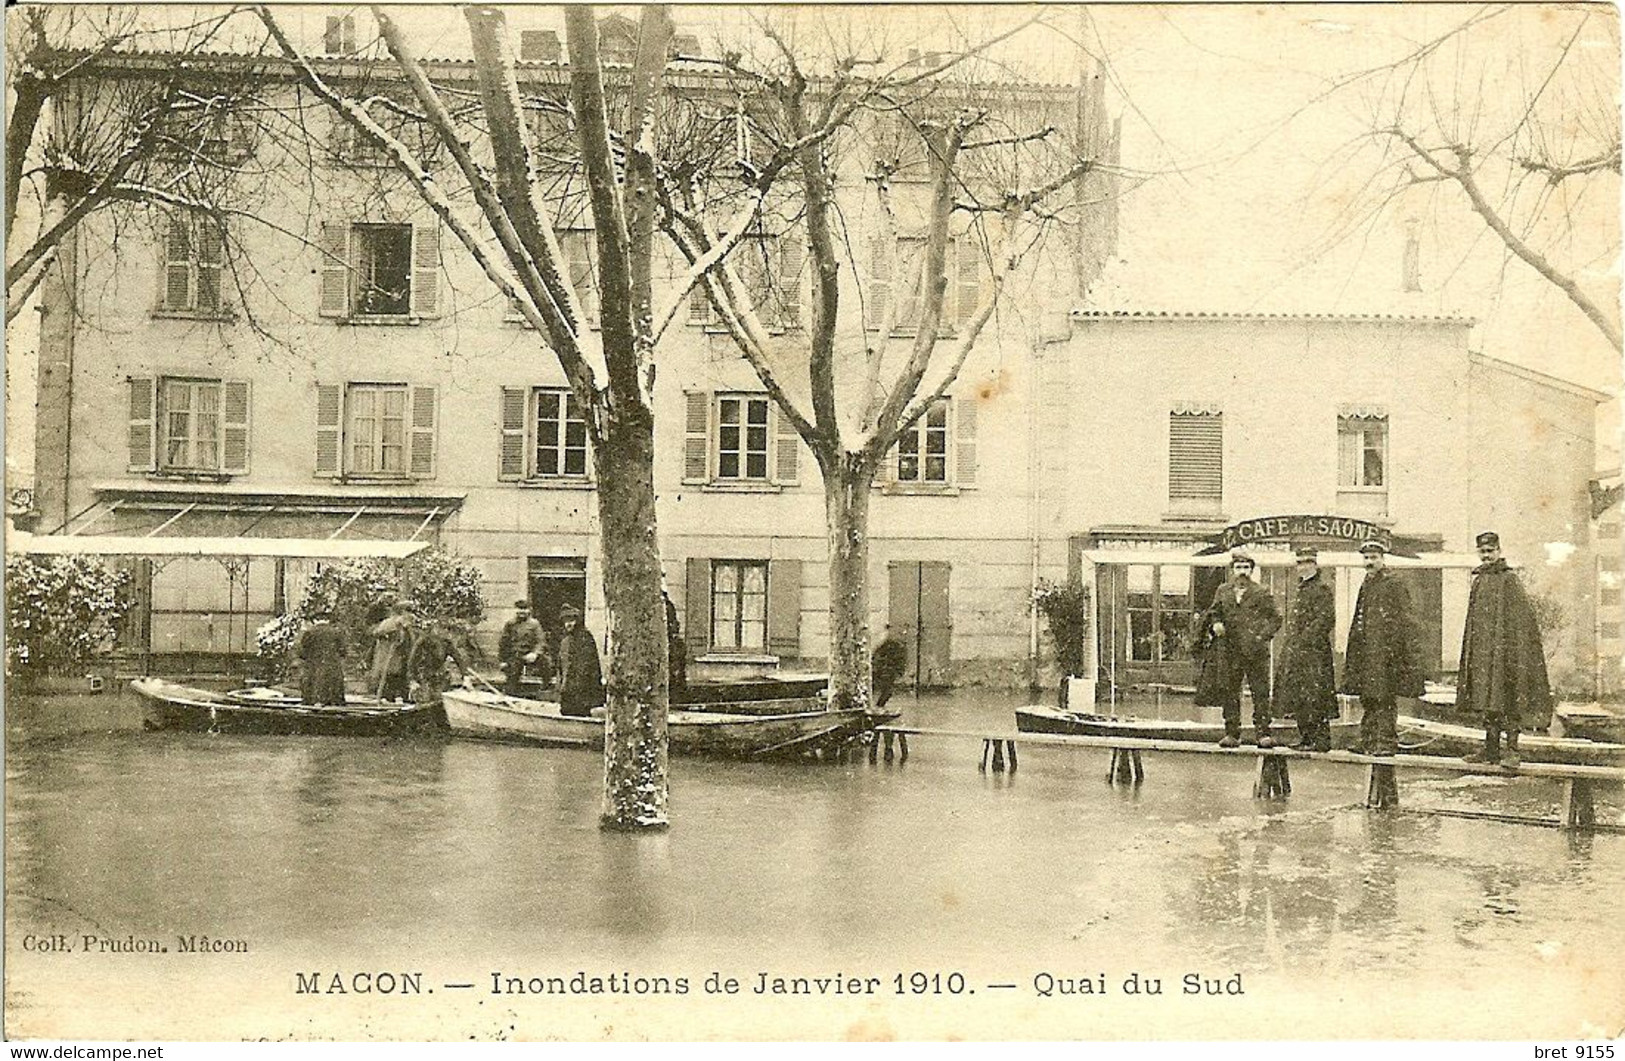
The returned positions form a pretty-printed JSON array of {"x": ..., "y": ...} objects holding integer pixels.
[{"x": 738, "y": 605}]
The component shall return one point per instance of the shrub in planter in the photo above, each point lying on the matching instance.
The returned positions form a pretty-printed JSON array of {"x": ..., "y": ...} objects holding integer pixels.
[
  {"x": 61, "y": 612},
  {"x": 1065, "y": 609}
]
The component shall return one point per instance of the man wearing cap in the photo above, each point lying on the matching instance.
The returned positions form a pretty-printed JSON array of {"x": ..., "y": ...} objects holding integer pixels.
[
  {"x": 1503, "y": 664},
  {"x": 1240, "y": 623},
  {"x": 1383, "y": 660},
  {"x": 519, "y": 647},
  {"x": 1304, "y": 679},
  {"x": 581, "y": 682}
]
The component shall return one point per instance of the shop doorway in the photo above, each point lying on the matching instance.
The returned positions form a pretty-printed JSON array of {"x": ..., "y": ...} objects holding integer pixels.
[{"x": 918, "y": 611}]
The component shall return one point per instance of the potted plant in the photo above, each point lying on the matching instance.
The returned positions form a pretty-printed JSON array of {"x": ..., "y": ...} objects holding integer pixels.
[{"x": 1066, "y": 611}]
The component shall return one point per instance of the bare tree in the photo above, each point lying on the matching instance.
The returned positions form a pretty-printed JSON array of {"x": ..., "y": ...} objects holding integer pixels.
[{"x": 988, "y": 188}]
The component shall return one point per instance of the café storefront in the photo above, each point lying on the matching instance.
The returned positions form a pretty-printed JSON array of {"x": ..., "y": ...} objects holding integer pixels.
[{"x": 1152, "y": 583}]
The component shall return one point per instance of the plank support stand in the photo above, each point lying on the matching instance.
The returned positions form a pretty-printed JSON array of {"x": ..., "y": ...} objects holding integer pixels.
[
  {"x": 891, "y": 751},
  {"x": 1382, "y": 787},
  {"x": 1579, "y": 807},
  {"x": 1274, "y": 780},
  {"x": 997, "y": 747},
  {"x": 1125, "y": 768}
]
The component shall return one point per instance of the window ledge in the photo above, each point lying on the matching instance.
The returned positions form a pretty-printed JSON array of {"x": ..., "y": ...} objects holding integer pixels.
[
  {"x": 715, "y": 487},
  {"x": 920, "y": 489},
  {"x": 381, "y": 320},
  {"x": 190, "y": 475},
  {"x": 369, "y": 477},
  {"x": 1362, "y": 489},
  {"x": 737, "y": 657},
  {"x": 560, "y": 482},
  {"x": 215, "y": 316}
]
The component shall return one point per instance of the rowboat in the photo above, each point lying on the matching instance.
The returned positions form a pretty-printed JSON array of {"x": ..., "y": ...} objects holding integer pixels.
[
  {"x": 1426, "y": 736},
  {"x": 172, "y": 706},
  {"x": 774, "y": 728},
  {"x": 1041, "y": 718}
]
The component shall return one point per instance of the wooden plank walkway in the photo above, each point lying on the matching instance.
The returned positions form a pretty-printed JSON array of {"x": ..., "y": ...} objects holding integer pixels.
[{"x": 1273, "y": 778}]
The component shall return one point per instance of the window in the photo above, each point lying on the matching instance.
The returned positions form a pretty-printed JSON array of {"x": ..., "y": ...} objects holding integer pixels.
[
  {"x": 1196, "y": 458},
  {"x": 741, "y": 437},
  {"x": 375, "y": 430},
  {"x": 1362, "y": 451},
  {"x": 561, "y": 435},
  {"x": 922, "y": 451},
  {"x": 738, "y": 605},
  {"x": 769, "y": 268},
  {"x": 189, "y": 426},
  {"x": 193, "y": 249},
  {"x": 384, "y": 273},
  {"x": 339, "y": 38},
  {"x": 382, "y": 283},
  {"x": 962, "y": 266}
]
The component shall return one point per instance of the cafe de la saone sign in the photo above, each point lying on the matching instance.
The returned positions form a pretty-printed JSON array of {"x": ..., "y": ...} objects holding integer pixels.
[{"x": 1301, "y": 530}]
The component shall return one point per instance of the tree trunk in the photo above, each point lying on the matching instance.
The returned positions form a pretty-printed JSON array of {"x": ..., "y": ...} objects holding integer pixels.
[
  {"x": 847, "y": 481},
  {"x": 635, "y": 726}
]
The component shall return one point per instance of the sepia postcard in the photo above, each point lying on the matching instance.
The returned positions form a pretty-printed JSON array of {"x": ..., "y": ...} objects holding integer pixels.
[{"x": 846, "y": 522}]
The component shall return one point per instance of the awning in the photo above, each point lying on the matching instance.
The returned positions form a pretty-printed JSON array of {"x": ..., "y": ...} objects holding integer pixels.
[{"x": 120, "y": 545}]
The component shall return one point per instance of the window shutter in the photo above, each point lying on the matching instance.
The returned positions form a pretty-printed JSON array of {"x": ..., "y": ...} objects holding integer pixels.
[
  {"x": 792, "y": 254},
  {"x": 784, "y": 607},
  {"x": 329, "y": 427},
  {"x": 234, "y": 426},
  {"x": 210, "y": 251},
  {"x": 699, "y": 305},
  {"x": 697, "y": 605},
  {"x": 426, "y": 269},
  {"x": 1196, "y": 456},
  {"x": 423, "y": 432},
  {"x": 879, "y": 294},
  {"x": 177, "y": 293},
  {"x": 967, "y": 280},
  {"x": 512, "y": 458},
  {"x": 965, "y": 441},
  {"x": 143, "y": 424},
  {"x": 787, "y": 459},
  {"x": 697, "y": 437},
  {"x": 335, "y": 247}
]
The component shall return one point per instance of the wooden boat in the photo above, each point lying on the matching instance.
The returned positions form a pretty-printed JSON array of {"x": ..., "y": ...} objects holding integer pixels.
[
  {"x": 1424, "y": 736},
  {"x": 172, "y": 706},
  {"x": 1041, "y": 718},
  {"x": 791, "y": 727}
]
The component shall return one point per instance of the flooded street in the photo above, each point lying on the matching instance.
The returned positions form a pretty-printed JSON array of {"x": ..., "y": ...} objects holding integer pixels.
[{"x": 461, "y": 860}]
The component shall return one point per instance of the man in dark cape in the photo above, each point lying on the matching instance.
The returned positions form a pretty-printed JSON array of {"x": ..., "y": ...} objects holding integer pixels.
[
  {"x": 887, "y": 666},
  {"x": 1384, "y": 656},
  {"x": 1239, "y": 625},
  {"x": 1503, "y": 666},
  {"x": 581, "y": 682},
  {"x": 320, "y": 652},
  {"x": 1304, "y": 680}
]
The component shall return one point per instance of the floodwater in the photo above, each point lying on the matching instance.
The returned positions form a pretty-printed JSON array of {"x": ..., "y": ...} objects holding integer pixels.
[{"x": 482, "y": 864}]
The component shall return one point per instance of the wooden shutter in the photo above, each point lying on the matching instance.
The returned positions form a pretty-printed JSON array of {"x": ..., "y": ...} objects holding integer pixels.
[
  {"x": 699, "y": 305},
  {"x": 784, "y": 607},
  {"x": 878, "y": 296},
  {"x": 329, "y": 428},
  {"x": 423, "y": 432},
  {"x": 210, "y": 253},
  {"x": 967, "y": 279},
  {"x": 515, "y": 401},
  {"x": 1195, "y": 456},
  {"x": 965, "y": 441},
  {"x": 787, "y": 457},
  {"x": 177, "y": 286},
  {"x": 792, "y": 254},
  {"x": 234, "y": 427},
  {"x": 143, "y": 424},
  {"x": 426, "y": 269},
  {"x": 697, "y": 437},
  {"x": 335, "y": 249},
  {"x": 697, "y": 605}
]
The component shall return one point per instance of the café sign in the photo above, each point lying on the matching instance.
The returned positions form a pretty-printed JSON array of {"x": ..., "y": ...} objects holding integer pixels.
[{"x": 1296, "y": 530}]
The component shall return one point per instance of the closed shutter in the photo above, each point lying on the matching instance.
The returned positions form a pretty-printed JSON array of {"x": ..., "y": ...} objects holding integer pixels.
[
  {"x": 699, "y": 305},
  {"x": 335, "y": 249},
  {"x": 696, "y": 437},
  {"x": 329, "y": 427},
  {"x": 210, "y": 253},
  {"x": 426, "y": 269},
  {"x": 234, "y": 426},
  {"x": 784, "y": 607},
  {"x": 1195, "y": 456},
  {"x": 965, "y": 411},
  {"x": 878, "y": 296},
  {"x": 792, "y": 254},
  {"x": 177, "y": 287},
  {"x": 967, "y": 280},
  {"x": 787, "y": 458},
  {"x": 512, "y": 456},
  {"x": 143, "y": 424},
  {"x": 697, "y": 605},
  {"x": 423, "y": 432}
]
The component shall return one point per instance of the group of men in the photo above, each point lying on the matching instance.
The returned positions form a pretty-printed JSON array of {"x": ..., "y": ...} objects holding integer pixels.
[
  {"x": 407, "y": 655},
  {"x": 524, "y": 653},
  {"x": 1503, "y": 668}
]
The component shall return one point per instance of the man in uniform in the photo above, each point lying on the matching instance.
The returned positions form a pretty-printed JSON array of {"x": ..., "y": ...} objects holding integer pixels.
[
  {"x": 519, "y": 646},
  {"x": 1503, "y": 665},
  {"x": 1383, "y": 660},
  {"x": 1241, "y": 621},
  {"x": 1304, "y": 680}
]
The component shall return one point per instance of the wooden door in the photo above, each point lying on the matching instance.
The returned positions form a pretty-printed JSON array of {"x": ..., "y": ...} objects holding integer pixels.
[{"x": 918, "y": 610}]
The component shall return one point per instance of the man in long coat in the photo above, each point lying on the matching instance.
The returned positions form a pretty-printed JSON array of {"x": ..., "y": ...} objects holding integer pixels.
[
  {"x": 320, "y": 652},
  {"x": 391, "y": 646},
  {"x": 1304, "y": 679},
  {"x": 1240, "y": 623},
  {"x": 1503, "y": 665},
  {"x": 1384, "y": 657},
  {"x": 519, "y": 648},
  {"x": 581, "y": 682}
]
